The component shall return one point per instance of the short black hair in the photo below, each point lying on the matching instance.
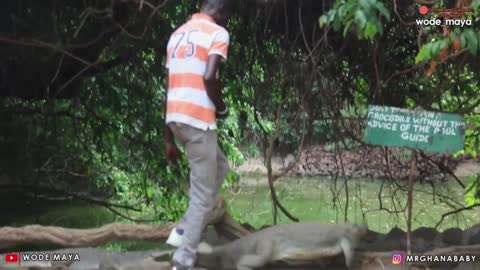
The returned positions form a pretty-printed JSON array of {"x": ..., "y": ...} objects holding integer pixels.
[{"x": 216, "y": 4}]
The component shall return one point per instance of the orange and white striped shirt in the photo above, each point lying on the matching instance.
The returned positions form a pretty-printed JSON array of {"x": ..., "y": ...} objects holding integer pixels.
[{"x": 187, "y": 55}]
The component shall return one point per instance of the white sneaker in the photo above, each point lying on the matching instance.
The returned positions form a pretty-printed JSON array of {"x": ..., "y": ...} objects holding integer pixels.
[
  {"x": 178, "y": 266},
  {"x": 175, "y": 238}
]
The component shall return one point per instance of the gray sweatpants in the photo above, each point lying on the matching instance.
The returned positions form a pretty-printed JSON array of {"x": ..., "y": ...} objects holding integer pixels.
[{"x": 208, "y": 169}]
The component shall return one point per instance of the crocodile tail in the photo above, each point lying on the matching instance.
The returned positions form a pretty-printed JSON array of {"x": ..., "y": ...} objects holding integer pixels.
[{"x": 205, "y": 248}]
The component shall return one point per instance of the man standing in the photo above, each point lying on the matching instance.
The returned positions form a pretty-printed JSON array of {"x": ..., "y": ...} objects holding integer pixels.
[{"x": 194, "y": 102}]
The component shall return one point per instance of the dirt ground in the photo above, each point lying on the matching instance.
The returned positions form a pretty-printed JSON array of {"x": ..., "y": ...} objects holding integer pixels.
[
  {"x": 467, "y": 168},
  {"x": 256, "y": 166}
]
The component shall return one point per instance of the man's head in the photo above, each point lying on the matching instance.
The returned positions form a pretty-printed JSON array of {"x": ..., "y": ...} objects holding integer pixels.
[{"x": 219, "y": 10}]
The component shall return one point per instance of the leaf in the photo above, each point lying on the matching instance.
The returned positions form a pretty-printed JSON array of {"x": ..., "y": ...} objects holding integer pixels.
[
  {"x": 331, "y": 16},
  {"x": 437, "y": 46},
  {"x": 453, "y": 35},
  {"x": 379, "y": 26},
  {"x": 360, "y": 18},
  {"x": 149, "y": 192},
  {"x": 341, "y": 11},
  {"x": 322, "y": 21},
  {"x": 424, "y": 54},
  {"x": 473, "y": 186},
  {"x": 371, "y": 30},
  {"x": 383, "y": 10},
  {"x": 463, "y": 40},
  {"x": 336, "y": 23},
  {"x": 472, "y": 41},
  {"x": 365, "y": 4},
  {"x": 475, "y": 5},
  {"x": 347, "y": 27}
]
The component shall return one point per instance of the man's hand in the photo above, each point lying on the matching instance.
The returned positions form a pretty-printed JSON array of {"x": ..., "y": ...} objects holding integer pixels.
[
  {"x": 222, "y": 109},
  {"x": 223, "y": 114},
  {"x": 172, "y": 153}
]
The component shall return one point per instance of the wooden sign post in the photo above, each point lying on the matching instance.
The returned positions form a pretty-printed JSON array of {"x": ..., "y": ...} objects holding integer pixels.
[
  {"x": 414, "y": 129},
  {"x": 413, "y": 168}
]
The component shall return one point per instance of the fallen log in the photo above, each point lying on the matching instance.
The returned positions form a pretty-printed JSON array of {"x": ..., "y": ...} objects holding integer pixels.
[
  {"x": 69, "y": 237},
  {"x": 229, "y": 228}
]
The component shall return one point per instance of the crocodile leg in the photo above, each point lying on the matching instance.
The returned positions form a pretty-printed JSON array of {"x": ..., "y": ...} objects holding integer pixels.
[
  {"x": 348, "y": 252},
  {"x": 262, "y": 257}
]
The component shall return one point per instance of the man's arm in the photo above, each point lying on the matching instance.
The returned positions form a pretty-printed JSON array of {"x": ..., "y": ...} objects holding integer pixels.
[
  {"x": 171, "y": 150},
  {"x": 167, "y": 133},
  {"x": 212, "y": 83}
]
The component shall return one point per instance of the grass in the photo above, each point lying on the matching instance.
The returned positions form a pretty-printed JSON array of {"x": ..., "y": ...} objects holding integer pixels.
[{"x": 312, "y": 199}]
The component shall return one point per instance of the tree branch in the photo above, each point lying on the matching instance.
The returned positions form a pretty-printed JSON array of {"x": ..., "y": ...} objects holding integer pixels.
[
  {"x": 456, "y": 211},
  {"x": 41, "y": 44},
  {"x": 273, "y": 193},
  {"x": 68, "y": 195},
  {"x": 442, "y": 168},
  {"x": 400, "y": 17}
]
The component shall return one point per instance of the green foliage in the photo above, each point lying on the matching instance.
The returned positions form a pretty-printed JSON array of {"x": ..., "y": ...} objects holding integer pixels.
[
  {"x": 472, "y": 40},
  {"x": 430, "y": 50},
  {"x": 366, "y": 15},
  {"x": 469, "y": 39},
  {"x": 472, "y": 195},
  {"x": 476, "y": 5},
  {"x": 472, "y": 135}
]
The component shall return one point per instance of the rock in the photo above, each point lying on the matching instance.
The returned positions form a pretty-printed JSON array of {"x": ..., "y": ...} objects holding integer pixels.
[
  {"x": 372, "y": 236},
  {"x": 468, "y": 266},
  {"x": 36, "y": 264},
  {"x": 425, "y": 233},
  {"x": 395, "y": 234},
  {"x": 471, "y": 236},
  {"x": 118, "y": 261},
  {"x": 391, "y": 244},
  {"x": 474, "y": 239},
  {"x": 443, "y": 266},
  {"x": 90, "y": 258},
  {"x": 148, "y": 264},
  {"x": 393, "y": 240},
  {"x": 452, "y": 236},
  {"x": 367, "y": 243},
  {"x": 289, "y": 159},
  {"x": 419, "y": 245}
]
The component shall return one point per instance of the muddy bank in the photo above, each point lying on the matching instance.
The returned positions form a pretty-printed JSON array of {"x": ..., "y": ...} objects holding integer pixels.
[{"x": 367, "y": 162}]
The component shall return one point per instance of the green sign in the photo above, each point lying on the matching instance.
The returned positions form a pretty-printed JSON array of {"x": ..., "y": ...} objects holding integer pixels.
[{"x": 430, "y": 131}]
